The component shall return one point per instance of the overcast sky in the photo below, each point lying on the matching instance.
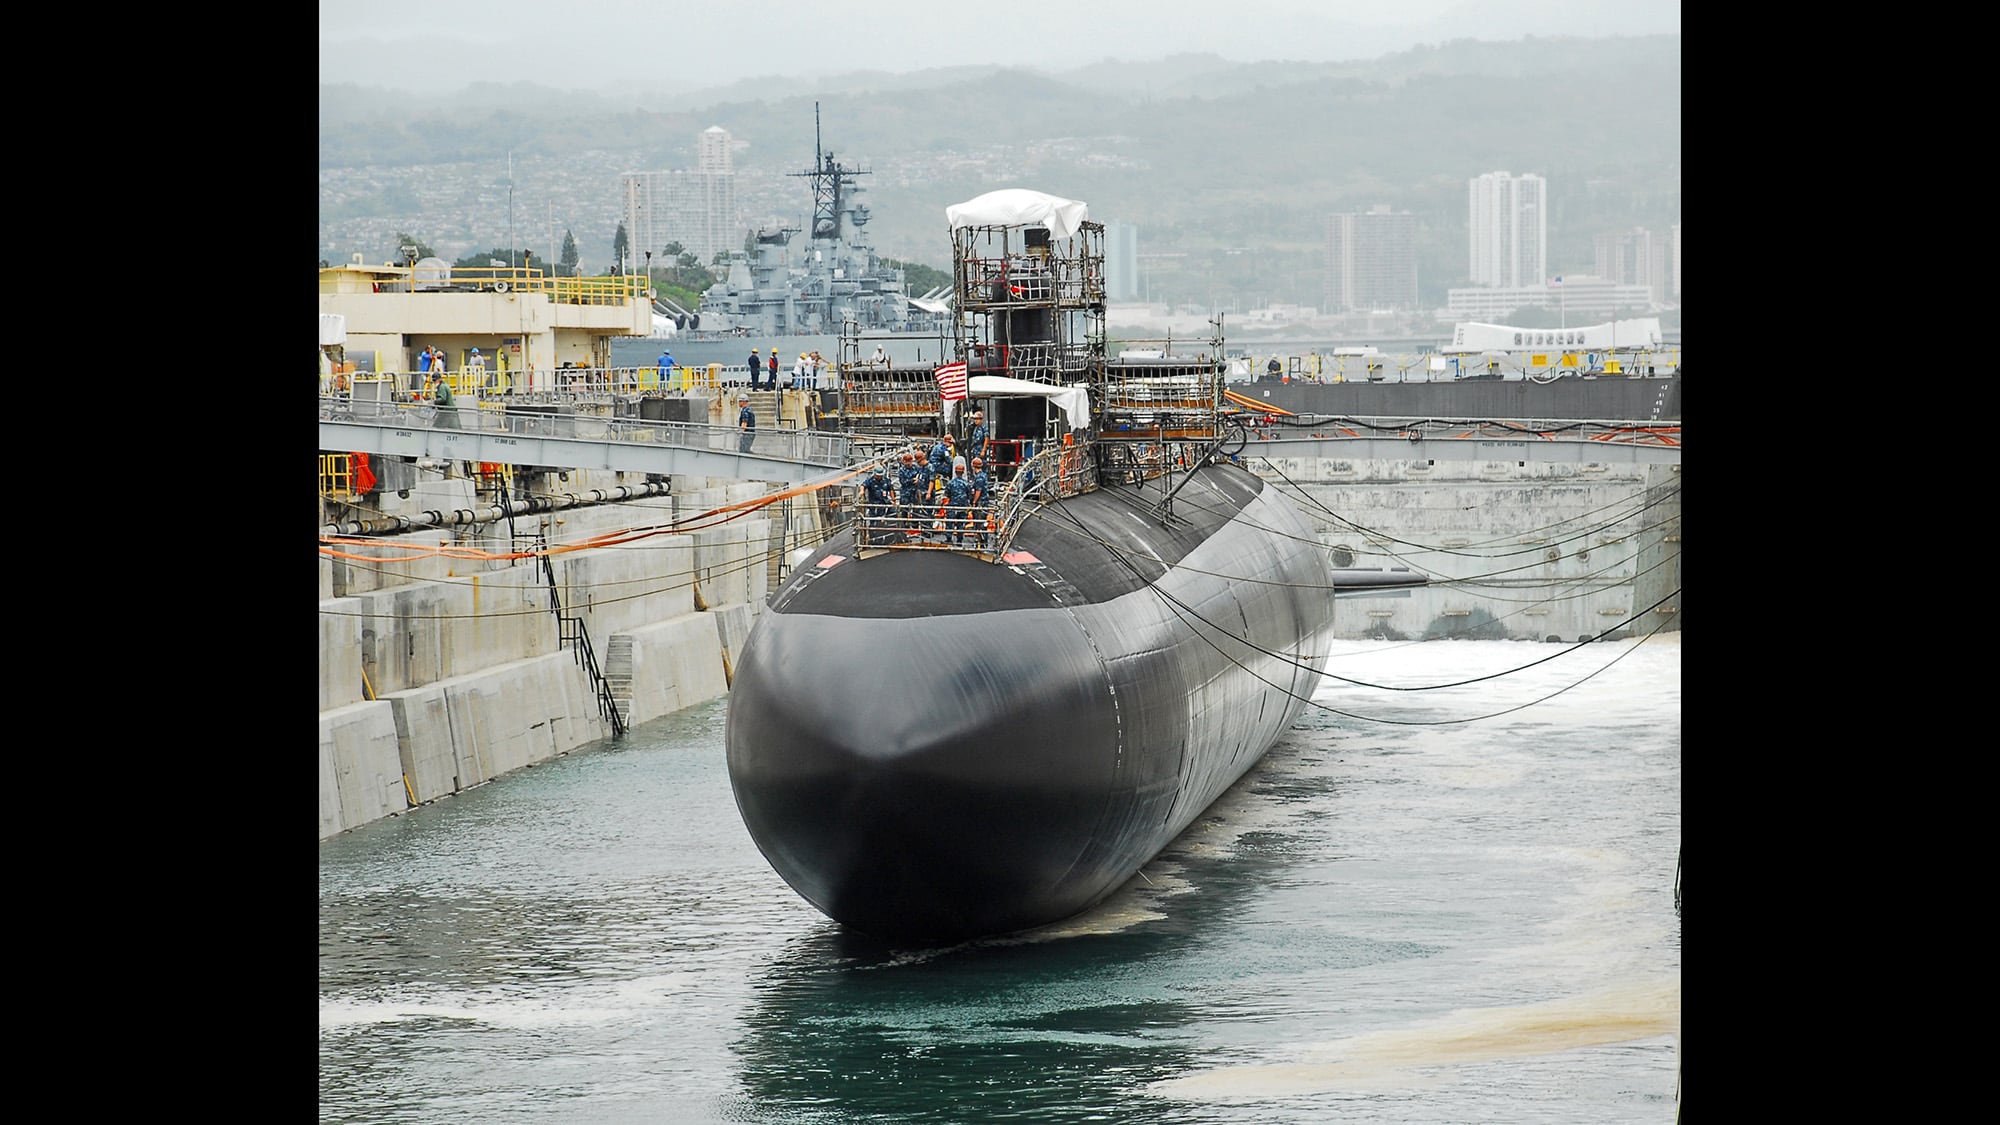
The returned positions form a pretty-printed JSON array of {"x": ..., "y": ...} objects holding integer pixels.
[{"x": 590, "y": 44}]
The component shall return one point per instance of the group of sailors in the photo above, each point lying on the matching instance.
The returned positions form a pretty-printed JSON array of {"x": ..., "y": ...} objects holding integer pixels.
[
  {"x": 940, "y": 491},
  {"x": 811, "y": 372}
]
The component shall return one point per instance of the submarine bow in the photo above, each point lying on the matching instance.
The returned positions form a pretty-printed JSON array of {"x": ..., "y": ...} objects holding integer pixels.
[{"x": 927, "y": 745}]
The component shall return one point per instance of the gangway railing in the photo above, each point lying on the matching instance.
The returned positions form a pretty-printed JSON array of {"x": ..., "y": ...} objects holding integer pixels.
[
  {"x": 988, "y": 527},
  {"x": 531, "y": 419},
  {"x": 594, "y": 383}
]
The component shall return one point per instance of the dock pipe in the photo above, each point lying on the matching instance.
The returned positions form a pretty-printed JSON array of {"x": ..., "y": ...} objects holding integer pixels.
[{"x": 464, "y": 517}]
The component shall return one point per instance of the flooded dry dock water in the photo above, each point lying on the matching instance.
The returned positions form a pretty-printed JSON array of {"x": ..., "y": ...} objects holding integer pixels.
[{"x": 1396, "y": 916}]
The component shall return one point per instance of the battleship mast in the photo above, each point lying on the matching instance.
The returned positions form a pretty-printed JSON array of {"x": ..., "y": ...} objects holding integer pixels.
[{"x": 829, "y": 181}]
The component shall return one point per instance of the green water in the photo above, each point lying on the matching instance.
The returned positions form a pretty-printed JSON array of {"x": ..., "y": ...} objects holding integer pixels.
[{"x": 1389, "y": 920}]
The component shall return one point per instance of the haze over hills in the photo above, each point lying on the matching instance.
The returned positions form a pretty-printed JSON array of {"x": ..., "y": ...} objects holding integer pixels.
[
  {"x": 1233, "y": 165},
  {"x": 628, "y": 48}
]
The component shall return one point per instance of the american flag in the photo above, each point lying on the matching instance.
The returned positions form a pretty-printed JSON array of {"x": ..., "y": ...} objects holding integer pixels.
[{"x": 951, "y": 382}]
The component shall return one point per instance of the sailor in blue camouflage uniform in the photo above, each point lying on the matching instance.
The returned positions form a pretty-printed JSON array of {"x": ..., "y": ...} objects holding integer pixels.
[
  {"x": 875, "y": 488},
  {"x": 941, "y": 459},
  {"x": 958, "y": 498},
  {"x": 982, "y": 499},
  {"x": 911, "y": 483},
  {"x": 975, "y": 447}
]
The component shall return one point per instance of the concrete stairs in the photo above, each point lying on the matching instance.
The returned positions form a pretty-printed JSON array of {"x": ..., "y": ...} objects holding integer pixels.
[
  {"x": 618, "y": 673},
  {"x": 764, "y": 403}
]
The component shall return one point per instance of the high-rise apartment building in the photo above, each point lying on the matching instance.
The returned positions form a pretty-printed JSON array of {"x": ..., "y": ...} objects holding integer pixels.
[
  {"x": 712, "y": 152},
  {"x": 1371, "y": 260},
  {"x": 1675, "y": 266},
  {"x": 1121, "y": 261},
  {"x": 1633, "y": 257},
  {"x": 1509, "y": 230},
  {"x": 694, "y": 208}
]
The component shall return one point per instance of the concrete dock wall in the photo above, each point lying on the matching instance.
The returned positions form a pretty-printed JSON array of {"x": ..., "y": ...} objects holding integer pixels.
[
  {"x": 1516, "y": 550},
  {"x": 441, "y": 662},
  {"x": 439, "y": 671}
]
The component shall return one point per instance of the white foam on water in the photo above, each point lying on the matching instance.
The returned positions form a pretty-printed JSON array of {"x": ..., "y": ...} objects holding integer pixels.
[
  {"x": 593, "y": 1006},
  {"x": 1400, "y": 1058}
]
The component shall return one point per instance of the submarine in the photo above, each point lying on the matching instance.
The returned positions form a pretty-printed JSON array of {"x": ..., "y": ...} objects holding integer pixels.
[{"x": 956, "y": 721}]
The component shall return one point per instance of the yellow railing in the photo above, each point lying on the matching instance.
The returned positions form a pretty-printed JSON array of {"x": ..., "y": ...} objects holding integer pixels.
[
  {"x": 617, "y": 289},
  {"x": 336, "y": 474},
  {"x": 689, "y": 378},
  {"x": 1384, "y": 366}
]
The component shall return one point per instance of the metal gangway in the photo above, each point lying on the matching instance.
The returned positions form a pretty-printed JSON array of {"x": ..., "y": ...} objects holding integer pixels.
[{"x": 572, "y": 434}]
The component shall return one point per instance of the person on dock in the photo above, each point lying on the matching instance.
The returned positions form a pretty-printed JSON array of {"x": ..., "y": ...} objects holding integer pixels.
[
  {"x": 480, "y": 378},
  {"x": 756, "y": 367},
  {"x": 447, "y": 410},
  {"x": 666, "y": 367},
  {"x": 746, "y": 423},
  {"x": 879, "y": 359},
  {"x": 772, "y": 366}
]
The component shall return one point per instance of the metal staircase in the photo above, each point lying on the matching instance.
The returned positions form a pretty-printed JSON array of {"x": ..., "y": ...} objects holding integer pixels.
[{"x": 572, "y": 634}]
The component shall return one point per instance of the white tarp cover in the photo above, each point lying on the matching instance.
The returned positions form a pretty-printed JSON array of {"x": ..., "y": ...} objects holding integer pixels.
[
  {"x": 1073, "y": 401},
  {"x": 1019, "y": 207},
  {"x": 332, "y": 329}
]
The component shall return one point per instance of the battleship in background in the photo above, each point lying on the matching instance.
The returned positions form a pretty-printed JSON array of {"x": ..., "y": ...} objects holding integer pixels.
[
  {"x": 947, "y": 727},
  {"x": 837, "y": 281}
]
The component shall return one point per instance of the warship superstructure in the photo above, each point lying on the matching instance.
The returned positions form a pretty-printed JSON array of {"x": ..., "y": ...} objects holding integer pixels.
[{"x": 831, "y": 281}]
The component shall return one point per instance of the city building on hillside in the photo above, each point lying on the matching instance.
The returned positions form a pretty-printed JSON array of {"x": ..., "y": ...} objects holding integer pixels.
[
  {"x": 1371, "y": 260},
  {"x": 694, "y": 208},
  {"x": 1509, "y": 230}
]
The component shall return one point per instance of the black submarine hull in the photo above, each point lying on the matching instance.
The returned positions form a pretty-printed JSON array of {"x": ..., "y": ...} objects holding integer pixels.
[{"x": 928, "y": 745}]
